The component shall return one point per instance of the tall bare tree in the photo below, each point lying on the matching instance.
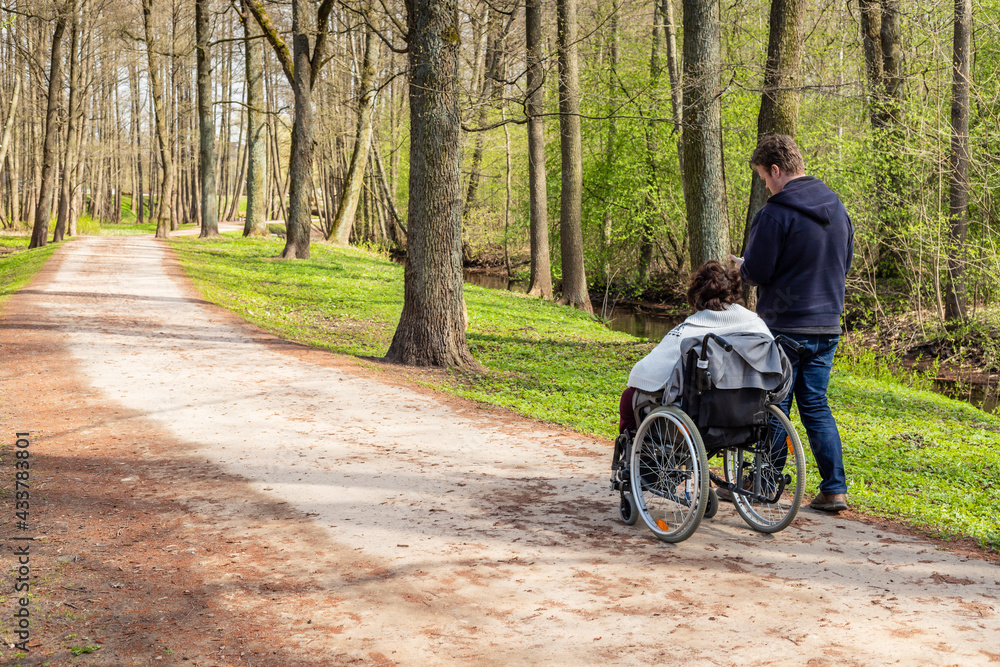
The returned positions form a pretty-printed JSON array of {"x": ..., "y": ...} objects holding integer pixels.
[
  {"x": 206, "y": 122},
  {"x": 9, "y": 123},
  {"x": 704, "y": 186},
  {"x": 541, "y": 270},
  {"x": 164, "y": 210},
  {"x": 574, "y": 278},
  {"x": 255, "y": 223},
  {"x": 955, "y": 298},
  {"x": 67, "y": 184},
  {"x": 343, "y": 223},
  {"x": 779, "y": 101},
  {"x": 431, "y": 330},
  {"x": 43, "y": 210},
  {"x": 881, "y": 39},
  {"x": 301, "y": 66}
]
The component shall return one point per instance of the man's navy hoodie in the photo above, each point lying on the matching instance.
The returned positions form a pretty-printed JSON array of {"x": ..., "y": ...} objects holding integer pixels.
[{"x": 798, "y": 253}]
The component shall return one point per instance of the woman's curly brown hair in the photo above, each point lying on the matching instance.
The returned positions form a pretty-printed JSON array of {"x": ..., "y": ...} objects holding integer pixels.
[{"x": 714, "y": 286}]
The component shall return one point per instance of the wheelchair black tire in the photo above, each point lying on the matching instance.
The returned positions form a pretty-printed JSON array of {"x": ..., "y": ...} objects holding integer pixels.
[
  {"x": 712, "y": 504},
  {"x": 669, "y": 474},
  {"x": 761, "y": 516},
  {"x": 627, "y": 510}
]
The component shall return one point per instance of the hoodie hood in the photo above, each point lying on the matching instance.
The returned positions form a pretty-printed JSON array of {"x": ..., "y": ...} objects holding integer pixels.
[{"x": 809, "y": 196}]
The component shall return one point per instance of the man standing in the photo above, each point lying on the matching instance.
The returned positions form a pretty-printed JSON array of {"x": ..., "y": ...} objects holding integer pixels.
[{"x": 798, "y": 253}]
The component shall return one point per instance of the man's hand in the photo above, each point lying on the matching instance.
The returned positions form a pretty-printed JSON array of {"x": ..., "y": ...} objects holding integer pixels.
[{"x": 737, "y": 260}]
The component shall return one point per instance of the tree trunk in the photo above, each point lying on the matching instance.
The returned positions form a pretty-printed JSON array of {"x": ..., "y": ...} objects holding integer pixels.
[
  {"x": 541, "y": 271},
  {"x": 69, "y": 161},
  {"x": 779, "y": 103},
  {"x": 340, "y": 231},
  {"x": 140, "y": 186},
  {"x": 300, "y": 69},
  {"x": 431, "y": 329},
  {"x": 880, "y": 31},
  {"x": 206, "y": 124},
  {"x": 256, "y": 218},
  {"x": 574, "y": 286},
  {"x": 704, "y": 191},
  {"x": 163, "y": 214},
  {"x": 299, "y": 222},
  {"x": 955, "y": 297},
  {"x": 43, "y": 211},
  {"x": 388, "y": 198},
  {"x": 652, "y": 146},
  {"x": 9, "y": 123},
  {"x": 485, "y": 46}
]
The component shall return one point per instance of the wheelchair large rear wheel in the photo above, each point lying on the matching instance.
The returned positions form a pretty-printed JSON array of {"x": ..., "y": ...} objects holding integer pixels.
[
  {"x": 772, "y": 469},
  {"x": 669, "y": 474}
]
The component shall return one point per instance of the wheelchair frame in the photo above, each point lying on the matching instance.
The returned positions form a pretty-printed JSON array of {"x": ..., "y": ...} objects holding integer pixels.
[{"x": 662, "y": 473}]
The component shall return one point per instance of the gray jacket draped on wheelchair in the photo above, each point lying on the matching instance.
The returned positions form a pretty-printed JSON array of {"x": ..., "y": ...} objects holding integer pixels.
[
  {"x": 726, "y": 389},
  {"x": 755, "y": 362}
]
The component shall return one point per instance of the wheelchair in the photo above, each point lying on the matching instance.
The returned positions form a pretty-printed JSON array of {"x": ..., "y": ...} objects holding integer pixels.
[{"x": 662, "y": 472}]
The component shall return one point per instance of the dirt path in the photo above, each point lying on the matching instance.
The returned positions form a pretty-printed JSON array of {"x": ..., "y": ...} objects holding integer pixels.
[{"x": 208, "y": 494}]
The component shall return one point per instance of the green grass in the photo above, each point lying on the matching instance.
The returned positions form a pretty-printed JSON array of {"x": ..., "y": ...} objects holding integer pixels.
[
  {"x": 911, "y": 455},
  {"x": 18, "y": 267}
]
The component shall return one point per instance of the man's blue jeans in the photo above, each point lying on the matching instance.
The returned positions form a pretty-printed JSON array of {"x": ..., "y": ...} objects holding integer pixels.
[{"x": 811, "y": 373}]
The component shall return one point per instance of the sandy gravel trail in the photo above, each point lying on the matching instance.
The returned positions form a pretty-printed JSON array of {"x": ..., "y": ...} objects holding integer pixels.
[{"x": 423, "y": 530}]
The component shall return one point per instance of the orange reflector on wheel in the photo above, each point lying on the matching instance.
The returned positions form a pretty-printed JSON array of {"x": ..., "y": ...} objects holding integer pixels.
[
  {"x": 662, "y": 524},
  {"x": 788, "y": 441}
]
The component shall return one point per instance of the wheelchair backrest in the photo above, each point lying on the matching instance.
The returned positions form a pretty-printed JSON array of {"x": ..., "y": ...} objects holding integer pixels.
[{"x": 724, "y": 417}]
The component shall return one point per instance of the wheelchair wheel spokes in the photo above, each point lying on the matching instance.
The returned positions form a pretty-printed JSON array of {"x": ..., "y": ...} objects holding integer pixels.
[
  {"x": 771, "y": 473},
  {"x": 669, "y": 474}
]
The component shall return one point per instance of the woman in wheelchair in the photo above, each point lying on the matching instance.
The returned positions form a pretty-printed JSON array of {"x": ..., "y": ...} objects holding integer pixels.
[
  {"x": 709, "y": 388},
  {"x": 715, "y": 293}
]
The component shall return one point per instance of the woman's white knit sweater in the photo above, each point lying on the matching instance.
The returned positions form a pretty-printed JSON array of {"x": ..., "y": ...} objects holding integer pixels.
[{"x": 652, "y": 371}]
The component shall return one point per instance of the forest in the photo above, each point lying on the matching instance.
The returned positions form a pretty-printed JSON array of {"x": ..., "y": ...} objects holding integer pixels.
[{"x": 592, "y": 146}]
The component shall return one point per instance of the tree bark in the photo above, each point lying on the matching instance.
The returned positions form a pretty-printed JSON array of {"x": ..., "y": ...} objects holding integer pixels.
[
  {"x": 779, "y": 103},
  {"x": 880, "y": 31},
  {"x": 68, "y": 184},
  {"x": 574, "y": 286},
  {"x": 9, "y": 123},
  {"x": 340, "y": 231},
  {"x": 256, "y": 218},
  {"x": 43, "y": 210},
  {"x": 163, "y": 214},
  {"x": 206, "y": 123},
  {"x": 652, "y": 146},
  {"x": 388, "y": 198},
  {"x": 541, "y": 271},
  {"x": 301, "y": 68},
  {"x": 704, "y": 191},
  {"x": 955, "y": 295},
  {"x": 431, "y": 330}
]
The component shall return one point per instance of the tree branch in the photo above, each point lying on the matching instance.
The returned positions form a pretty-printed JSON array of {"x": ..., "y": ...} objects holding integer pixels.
[{"x": 284, "y": 56}]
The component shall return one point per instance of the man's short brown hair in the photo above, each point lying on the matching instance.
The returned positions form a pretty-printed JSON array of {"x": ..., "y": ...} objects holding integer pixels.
[{"x": 779, "y": 149}]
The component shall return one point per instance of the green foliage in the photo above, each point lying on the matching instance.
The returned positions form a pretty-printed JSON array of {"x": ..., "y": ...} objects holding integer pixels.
[
  {"x": 885, "y": 368},
  {"x": 919, "y": 457},
  {"x": 88, "y": 226},
  {"x": 80, "y": 650},
  {"x": 911, "y": 455},
  {"x": 17, "y": 268}
]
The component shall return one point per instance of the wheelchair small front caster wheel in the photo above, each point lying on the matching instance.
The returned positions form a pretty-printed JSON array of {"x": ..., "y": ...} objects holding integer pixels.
[
  {"x": 627, "y": 511},
  {"x": 712, "y": 504}
]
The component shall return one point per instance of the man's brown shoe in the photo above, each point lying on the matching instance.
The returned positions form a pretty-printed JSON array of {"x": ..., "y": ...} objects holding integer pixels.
[{"x": 836, "y": 502}]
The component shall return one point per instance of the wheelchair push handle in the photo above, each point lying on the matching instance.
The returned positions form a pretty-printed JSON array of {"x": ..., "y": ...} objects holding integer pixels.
[
  {"x": 793, "y": 345},
  {"x": 723, "y": 343},
  {"x": 703, "y": 379}
]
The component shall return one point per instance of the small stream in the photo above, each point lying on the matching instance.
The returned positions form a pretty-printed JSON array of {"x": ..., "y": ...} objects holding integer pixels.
[{"x": 655, "y": 327}]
